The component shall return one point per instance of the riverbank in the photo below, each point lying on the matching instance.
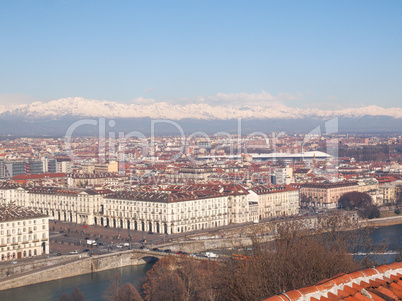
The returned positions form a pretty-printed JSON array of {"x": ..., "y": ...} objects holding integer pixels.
[
  {"x": 382, "y": 222},
  {"x": 78, "y": 266}
]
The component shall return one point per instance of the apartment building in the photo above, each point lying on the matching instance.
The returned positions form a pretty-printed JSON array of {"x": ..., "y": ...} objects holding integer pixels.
[
  {"x": 164, "y": 212},
  {"x": 83, "y": 180},
  {"x": 238, "y": 204},
  {"x": 23, "y": 232},
  {"x": 274, "y": 201},
  {"x": 284, "y": 175},
  {"x": 325, "y": 195},
  {"x": 388, "y": 191},
  {"x": 72, "y": 205}
]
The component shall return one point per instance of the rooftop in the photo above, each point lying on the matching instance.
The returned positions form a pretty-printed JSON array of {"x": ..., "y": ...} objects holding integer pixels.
[
  {"x": 383, "y": 283},
  {"x": 10, "y": 213},
  {"x": 329, "y": 185}
]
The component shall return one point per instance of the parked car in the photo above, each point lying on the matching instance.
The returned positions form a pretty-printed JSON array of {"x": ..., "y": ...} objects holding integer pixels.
[
  {"x": 167, "y": 251},
  {"x": 85, "y": 250},
  {"x": 155, "y": 249},
  {"x": 74, "y": 252},
  {"x": 211, "y": 255}
]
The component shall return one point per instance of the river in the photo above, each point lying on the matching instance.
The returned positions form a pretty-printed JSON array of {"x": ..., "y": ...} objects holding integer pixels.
[
  {"x": 391, "y": 235},
  {"x": 94, "y": 285}
]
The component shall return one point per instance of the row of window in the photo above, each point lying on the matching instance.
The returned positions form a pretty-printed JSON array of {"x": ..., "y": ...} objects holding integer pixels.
[
  {"x": 14, "y": 239},
  {"x": 13, "y": 224},
  {"x": 13, "y": 231},
  {"x": 24, "y": 254}
]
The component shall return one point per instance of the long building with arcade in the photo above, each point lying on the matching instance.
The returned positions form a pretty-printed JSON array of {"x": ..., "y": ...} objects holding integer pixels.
[{"x": 168, "y": 209}]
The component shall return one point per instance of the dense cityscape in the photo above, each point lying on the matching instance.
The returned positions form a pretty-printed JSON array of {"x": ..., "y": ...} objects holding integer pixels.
[
  {"x": 200, "y": 150},
  {"x": 176, "y": 188}
]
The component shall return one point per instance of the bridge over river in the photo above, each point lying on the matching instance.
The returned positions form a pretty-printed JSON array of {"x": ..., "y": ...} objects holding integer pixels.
[{"x": 17, "y": 275}]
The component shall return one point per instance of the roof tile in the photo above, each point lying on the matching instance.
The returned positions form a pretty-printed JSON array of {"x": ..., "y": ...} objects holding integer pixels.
[
  {"x": 326, "y": 285},
  {"x": 395, "y": 265},
  {"x": 383, "y": 283},
  {"x": 383, "y": 268},
  {"x": 361, "y": 297},
  {"x": 342, "y": 279},
  {"x": 369, "y": 272},
  {"x": 396, "y": 289},
  {"x": 355, "y": 275},
  {"x": 375, "y": 297},
  {"x": 387, "y": 292},
  {"x": 294, "y": 295},
  {"x": 308, "y": 290}
]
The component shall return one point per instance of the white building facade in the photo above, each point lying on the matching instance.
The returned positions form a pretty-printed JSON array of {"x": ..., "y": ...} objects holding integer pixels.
[
  {"x": 276, "y": 201},
  {"x": 161, "y": 212},
  {"x": 23, "y": 233}
]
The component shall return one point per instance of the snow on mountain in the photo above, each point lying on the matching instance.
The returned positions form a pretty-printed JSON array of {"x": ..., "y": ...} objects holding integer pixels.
[{"x": 81, "y": 107}]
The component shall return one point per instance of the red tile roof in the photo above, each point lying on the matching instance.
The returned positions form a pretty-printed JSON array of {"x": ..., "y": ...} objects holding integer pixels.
[
  {"x": 383, "y": 283},
  {"x": 40, "y": 176}
]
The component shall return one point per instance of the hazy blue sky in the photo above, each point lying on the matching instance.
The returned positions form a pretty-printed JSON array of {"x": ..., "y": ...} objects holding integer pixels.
[{"x": 342, "y": 53}]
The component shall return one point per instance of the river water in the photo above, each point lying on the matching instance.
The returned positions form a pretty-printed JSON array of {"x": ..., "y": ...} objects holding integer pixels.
[{"x": 94, "y": 285}]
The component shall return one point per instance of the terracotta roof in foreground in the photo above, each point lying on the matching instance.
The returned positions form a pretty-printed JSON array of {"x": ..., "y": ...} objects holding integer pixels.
[{"x": 383, "y": 283}]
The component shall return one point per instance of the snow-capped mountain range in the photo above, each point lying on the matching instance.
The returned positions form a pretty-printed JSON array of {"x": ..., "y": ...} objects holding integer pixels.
[{"x": 81, "y": 107}]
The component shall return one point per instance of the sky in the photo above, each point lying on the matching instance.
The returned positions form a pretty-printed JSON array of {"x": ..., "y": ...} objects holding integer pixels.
[{"x": 321, "y": 54}]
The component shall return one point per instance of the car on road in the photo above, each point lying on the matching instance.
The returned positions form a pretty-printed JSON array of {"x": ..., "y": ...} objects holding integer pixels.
[
  {"x": 167, "y": 251},
  {"x": 155, "y": 249},
  {"x": 85, "y": 250},
  {"x": 119, "y": 246},
  {"x": 74, "y": 252},
  {"x": 211, "y": 255},
  {"x": 14, "y": 262}
]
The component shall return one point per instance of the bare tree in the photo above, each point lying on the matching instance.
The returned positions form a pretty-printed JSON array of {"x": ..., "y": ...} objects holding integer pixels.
[
  {"x": 118, "y": 292},
  {"x": 183, "y": 279},
  {"x": 301, "y": 254},
  {"x": 76, "y": 295},
  {"x": 128, "y": 292}
]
